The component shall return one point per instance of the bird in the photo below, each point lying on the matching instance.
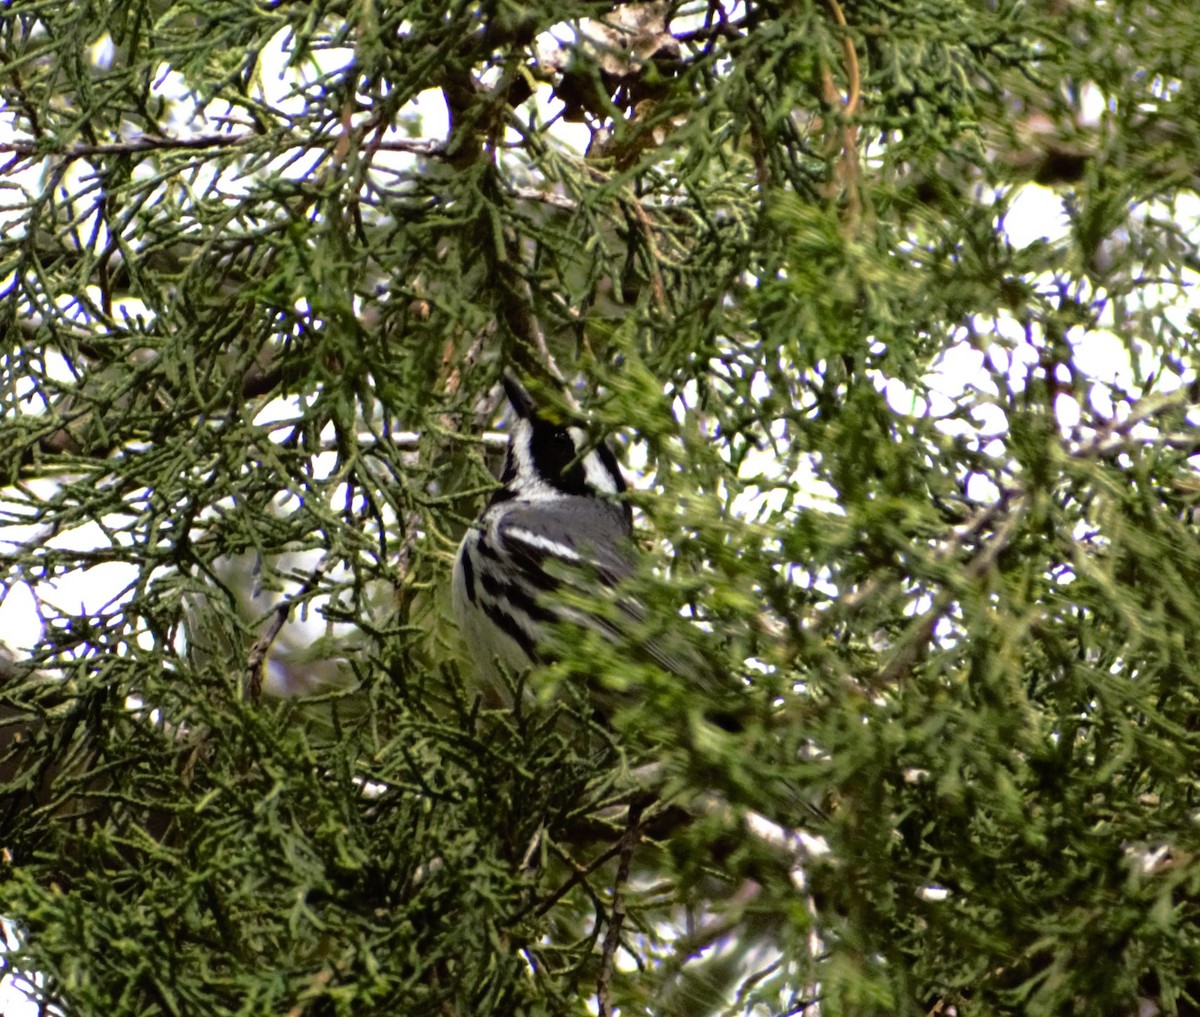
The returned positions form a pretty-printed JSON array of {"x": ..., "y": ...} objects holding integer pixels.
[
  {"x": 559, "y": 523},
  {"x": 557, "y": 518}
]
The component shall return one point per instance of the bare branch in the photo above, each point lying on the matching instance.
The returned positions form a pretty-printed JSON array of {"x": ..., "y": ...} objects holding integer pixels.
[
  {"x": 200, "y": 142},
  {"x": 616, "y": 916}
]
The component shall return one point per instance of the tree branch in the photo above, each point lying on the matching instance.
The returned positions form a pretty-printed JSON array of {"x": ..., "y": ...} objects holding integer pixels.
[
  {"x": 616, "y": 917},
  {"x": 162, "y": 143}
]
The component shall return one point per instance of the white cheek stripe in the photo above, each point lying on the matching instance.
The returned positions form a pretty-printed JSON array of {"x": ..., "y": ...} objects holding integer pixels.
[
  {"x": 597, "y": 477},
  {"x": 518, "y": 442}
]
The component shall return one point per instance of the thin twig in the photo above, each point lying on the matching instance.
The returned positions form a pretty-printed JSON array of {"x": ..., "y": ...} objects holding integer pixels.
[
  {"x": 616, "y": 914},
  {"x": 162, "y": 143},
  {"x": 1114, "y": 434},
  {"x": 920, "y": 635},
  {"x": 579, "y": 875},
  {"x": 252, "y": 683},
  {"x": 543, "y": 196},
  {"x": 660, "y": 293},
  {"x": 852, "y": 73},
  {"x": 846, "y": 139},
  {"x": 318, "y": 982}
]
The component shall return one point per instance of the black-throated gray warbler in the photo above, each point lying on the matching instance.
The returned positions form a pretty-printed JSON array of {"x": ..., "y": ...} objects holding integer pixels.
[
  {"x": 554, "y": 545},
  {"x": 556, "y": 513},
  {"x": 558, "y": 524}
]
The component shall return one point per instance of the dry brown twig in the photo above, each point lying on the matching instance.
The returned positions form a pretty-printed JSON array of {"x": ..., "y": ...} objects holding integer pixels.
[{"x": 845, "y": 138}]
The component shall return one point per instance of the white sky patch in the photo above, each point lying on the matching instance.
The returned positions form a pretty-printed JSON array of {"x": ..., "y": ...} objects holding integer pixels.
[
  {"x": 87, "y": 591},
  {"x": 1102, "y": 356},
  {"x": 902, "y": 399},
  {"x": 282, "y": 410},
  {"x": 181, "y": 107},
  {"x": 282, "y": 78},
  {"x": 1092, "y": 105},
  {"x": 1067, "y": 411},
  {"x": 102, "y": 586},
  {"x": 19, "y": 620},
  {"x": 575, "y": 136},
  {"x": 982, "y": 489},
  {"x": 100, "y": 53},
  {"x": 958, "y": 367},
  {"x": 323, "y": 464},
  {"x": 14, "y": 1000},
  {"x": 1035, "y": 213},
  {"x": 991, "y": 419},
  {"x": 56, "y": 368}
]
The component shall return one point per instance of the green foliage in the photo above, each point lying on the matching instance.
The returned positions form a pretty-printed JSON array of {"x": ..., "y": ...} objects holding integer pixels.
[{"x": 926, "y": 486}]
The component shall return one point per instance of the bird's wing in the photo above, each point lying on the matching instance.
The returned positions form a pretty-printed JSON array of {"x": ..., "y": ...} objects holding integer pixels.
[
  {"x": 543, "y": 542},
  {"x": 543, "y": 539}
]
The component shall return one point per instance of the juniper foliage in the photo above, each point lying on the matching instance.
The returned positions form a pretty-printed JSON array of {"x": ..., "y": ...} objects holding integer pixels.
[{"x": 920, "y": 464}]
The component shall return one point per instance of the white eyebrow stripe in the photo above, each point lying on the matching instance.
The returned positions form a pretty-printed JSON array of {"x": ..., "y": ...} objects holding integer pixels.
[
  {"x": 526, "y": 483},
  {"x": 540, "y": 543}
]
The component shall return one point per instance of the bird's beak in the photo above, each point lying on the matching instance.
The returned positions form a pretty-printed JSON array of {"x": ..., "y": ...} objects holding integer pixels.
[{"x": 521, "y": 403}]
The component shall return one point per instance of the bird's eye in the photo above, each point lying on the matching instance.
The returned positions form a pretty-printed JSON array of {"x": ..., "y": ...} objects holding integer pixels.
[{"x": 556, "y": 457}]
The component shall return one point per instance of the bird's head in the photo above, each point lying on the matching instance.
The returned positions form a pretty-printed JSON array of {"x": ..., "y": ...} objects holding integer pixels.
[{"x": 550, "y": 457}]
